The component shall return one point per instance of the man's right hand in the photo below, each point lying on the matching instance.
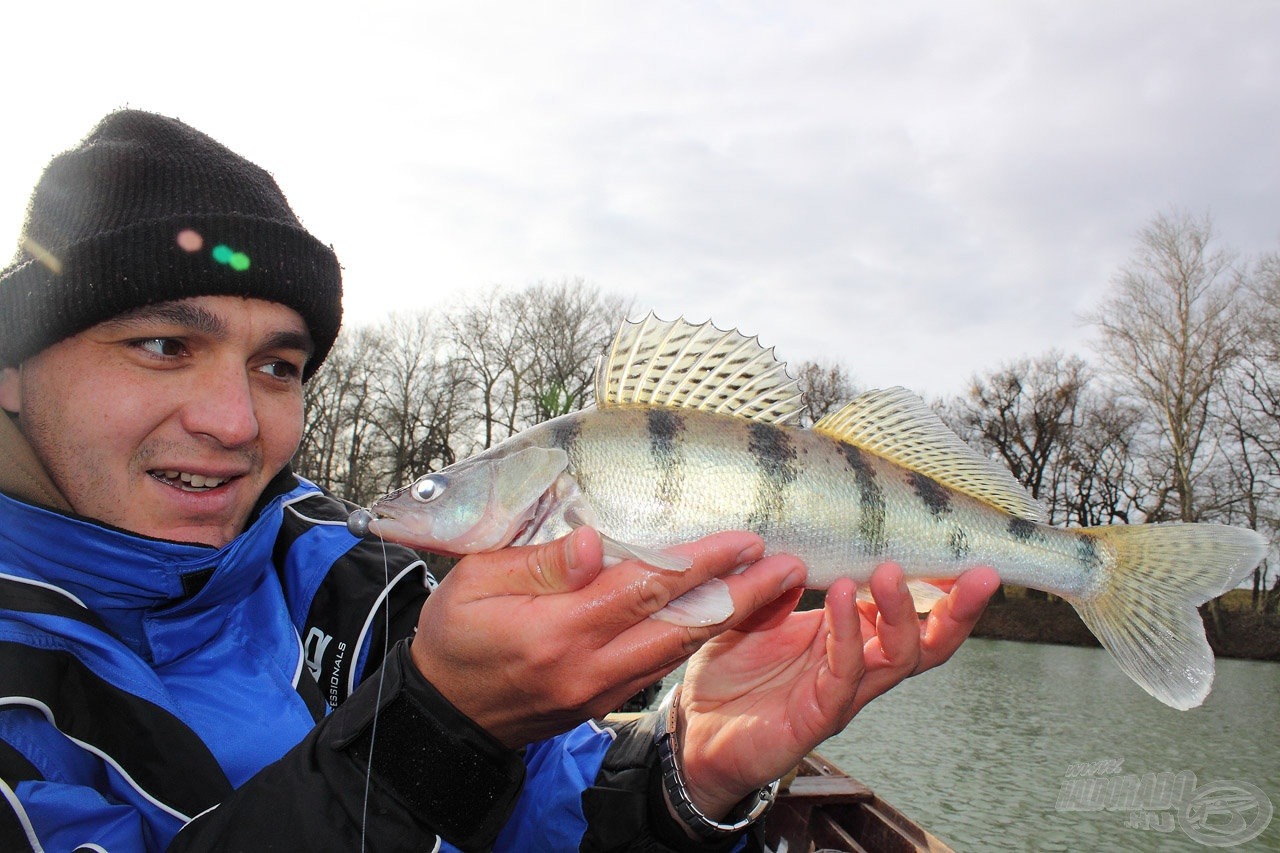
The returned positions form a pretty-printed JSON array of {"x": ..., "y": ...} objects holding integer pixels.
[{"x": 529, "y": 642}]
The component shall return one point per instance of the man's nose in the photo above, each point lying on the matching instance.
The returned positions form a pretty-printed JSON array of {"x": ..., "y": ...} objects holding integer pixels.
[{"x": 222, "y": 407}]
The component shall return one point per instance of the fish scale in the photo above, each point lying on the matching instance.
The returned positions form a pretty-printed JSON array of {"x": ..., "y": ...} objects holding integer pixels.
[
  {"x": 820, "y": 511},
  {"x": 689, "y": 437}
]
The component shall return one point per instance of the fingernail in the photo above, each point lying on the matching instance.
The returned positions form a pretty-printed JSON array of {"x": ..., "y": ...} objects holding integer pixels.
[
  {"x": 794, "y": 578},
  {"x": 751, "y": 554},
  {"x": 963, "y": 611},
  {"x": 568, "y": 549}
]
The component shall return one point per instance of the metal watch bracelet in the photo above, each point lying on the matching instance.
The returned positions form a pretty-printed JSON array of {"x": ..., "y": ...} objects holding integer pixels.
[{"x": 704, "y": 828}]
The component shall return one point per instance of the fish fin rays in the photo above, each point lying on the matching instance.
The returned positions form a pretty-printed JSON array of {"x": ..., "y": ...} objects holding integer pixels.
[
  {"x": 618, "y": 551},
  {"x": 579, "y": 514},
  {"x": 1144, "y": 611},
  {"x": 706, "y": 604},
  {"x": 923, "y": 593},
  {"x": 896, "y": 424},
  {"x": 682, "y": 365}
]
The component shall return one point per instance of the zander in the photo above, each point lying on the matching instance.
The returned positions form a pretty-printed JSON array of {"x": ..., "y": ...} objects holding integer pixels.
[{"x": 688, "y": 438}]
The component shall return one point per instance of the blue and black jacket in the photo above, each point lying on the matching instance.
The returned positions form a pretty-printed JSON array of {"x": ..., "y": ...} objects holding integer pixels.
[{"x": 157, "y": 695}]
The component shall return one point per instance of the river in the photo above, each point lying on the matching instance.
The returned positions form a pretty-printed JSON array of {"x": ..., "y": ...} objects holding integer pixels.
[{"x": 1021, "y": 746}]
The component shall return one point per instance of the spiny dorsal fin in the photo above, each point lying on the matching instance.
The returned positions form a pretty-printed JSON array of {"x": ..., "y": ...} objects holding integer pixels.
[
  {"x": 899, "y": 426},
  {"x": 676, "y": 364}
]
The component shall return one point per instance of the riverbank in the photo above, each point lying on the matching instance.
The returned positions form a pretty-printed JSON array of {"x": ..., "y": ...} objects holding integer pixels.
[{"x": 1243, "y": 634}]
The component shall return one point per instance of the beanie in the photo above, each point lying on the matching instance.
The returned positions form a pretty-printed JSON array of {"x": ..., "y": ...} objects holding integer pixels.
[{"x": 147, "y": 209}]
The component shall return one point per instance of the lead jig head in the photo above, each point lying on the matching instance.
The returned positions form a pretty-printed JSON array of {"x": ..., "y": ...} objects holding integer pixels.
[{"x": 358, "y": 522}]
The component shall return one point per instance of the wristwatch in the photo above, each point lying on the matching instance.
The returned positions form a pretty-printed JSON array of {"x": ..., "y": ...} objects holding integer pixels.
[{"x": 702, "y": 827}]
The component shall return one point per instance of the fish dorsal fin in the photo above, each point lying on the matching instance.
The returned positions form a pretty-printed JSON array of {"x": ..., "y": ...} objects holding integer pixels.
[
  {"x": 676, "y": 364},
  {"x": 899, "y": 426}
]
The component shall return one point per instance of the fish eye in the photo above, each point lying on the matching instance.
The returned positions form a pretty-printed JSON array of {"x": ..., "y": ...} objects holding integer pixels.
[{"x": 428, "y": 488}]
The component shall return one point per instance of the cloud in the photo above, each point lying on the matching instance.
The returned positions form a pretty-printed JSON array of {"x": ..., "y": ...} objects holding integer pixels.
[{"x": 918, "y": 191}]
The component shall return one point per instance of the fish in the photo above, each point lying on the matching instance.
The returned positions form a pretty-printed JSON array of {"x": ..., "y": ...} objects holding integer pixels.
[{"x": 689, "y": 435}]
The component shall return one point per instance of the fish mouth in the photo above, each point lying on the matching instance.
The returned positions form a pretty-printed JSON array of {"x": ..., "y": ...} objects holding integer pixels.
[
  {"x": 384, "y": 508},
  {"x": 364, "y": 520},
  {"x": 187, "y": 481}
]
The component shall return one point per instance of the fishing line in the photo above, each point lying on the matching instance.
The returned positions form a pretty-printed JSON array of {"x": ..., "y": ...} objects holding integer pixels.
[{"x": 377, "y": 704}]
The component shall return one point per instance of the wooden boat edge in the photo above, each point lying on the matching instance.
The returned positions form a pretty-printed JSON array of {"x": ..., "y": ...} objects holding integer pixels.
[
  {"x": 820, "y": 807},
  {"x": 824, "y": 808}
]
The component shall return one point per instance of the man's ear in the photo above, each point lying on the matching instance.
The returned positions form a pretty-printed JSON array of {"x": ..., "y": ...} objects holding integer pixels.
[{"x": 10, "y": 389}]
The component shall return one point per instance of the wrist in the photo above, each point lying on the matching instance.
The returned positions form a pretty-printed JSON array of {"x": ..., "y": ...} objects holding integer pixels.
[
  {"x": 700, "y": 817},
  {"x": 429, "y": 756}
]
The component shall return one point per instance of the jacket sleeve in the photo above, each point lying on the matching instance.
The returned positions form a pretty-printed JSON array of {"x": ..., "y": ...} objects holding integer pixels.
[
  {"x": 393, "y": 768},
  {"x": 599, "y": 788}
]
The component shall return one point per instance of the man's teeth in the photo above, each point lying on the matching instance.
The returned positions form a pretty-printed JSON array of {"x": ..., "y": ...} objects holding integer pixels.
[{"x": 195, "y": 481}]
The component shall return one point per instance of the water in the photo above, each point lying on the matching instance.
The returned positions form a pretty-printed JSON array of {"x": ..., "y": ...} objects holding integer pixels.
[{"x": 989, "y": 752}]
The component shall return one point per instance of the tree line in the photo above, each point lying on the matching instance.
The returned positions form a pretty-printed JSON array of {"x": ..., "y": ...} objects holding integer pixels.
[{"x": 1175, "y": 415}]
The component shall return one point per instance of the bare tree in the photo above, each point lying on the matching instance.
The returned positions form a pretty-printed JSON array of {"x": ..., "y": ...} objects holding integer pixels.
[
  {"x": 528, "y": 355},
  {"x": 1097, "y": 478},
  {"x": 1253, "y": 422},
  {"x": 1025, "y": 413},
  {"x": 416, "y": 399},
  {"x": 491, "y": 354},
  {"x": 322, "y": 401},
  {"x": 826, "y": 387},
  {"x": 567, "y": 324},
  {"x": 336, "y": 403},
  {"x": 1170, "y": 334}
]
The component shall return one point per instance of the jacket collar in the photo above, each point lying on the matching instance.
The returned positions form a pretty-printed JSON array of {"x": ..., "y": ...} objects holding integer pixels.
[{"x": 135, "y": 584}]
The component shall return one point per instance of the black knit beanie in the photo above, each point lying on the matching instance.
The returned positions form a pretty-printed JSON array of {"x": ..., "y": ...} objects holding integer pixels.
[{"x": 145, "y": 210}]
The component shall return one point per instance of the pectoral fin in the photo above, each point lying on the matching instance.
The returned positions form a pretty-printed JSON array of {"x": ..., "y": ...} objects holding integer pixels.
[
  {"x": 616, "y": 551},
  {"x": 619, "y": 551}
]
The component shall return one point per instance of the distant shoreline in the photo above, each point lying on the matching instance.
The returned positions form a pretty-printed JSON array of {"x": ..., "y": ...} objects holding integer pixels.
[{"x": 1245, "y": 635}]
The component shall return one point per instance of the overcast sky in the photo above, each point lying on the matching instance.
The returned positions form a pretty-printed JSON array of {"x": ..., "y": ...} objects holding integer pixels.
[{"x": 918, "y": 191}]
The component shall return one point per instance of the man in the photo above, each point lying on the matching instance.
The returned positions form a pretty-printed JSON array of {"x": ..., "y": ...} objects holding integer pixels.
[{"x": 195, "y": 654}]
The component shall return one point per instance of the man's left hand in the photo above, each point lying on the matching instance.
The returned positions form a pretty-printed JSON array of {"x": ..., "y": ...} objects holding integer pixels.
[{"x": 757, "y": 699}]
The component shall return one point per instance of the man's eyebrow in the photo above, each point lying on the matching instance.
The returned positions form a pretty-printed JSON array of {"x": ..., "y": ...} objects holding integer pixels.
[
  {"x": 183, "y": 314},
  {"x": 300, "y": 341},
  {"x": 201, "y": 320}
]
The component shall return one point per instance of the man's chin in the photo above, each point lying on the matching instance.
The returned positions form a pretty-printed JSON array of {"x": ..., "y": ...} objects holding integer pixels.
[{"x": 214, "y": 534}]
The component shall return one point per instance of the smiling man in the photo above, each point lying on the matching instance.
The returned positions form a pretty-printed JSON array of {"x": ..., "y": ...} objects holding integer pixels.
[
  {"x": 169, "y": 420},
  {"x": 196, "y": 654}
]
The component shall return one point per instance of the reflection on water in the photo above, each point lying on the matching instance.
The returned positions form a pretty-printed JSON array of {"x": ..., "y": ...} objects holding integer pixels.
[{"x": 995, "y": 750}]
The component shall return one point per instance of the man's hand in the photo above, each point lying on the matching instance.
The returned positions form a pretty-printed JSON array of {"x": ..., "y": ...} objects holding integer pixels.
[
  {"x": 529, "y": 642},
  {"x": 755, "y": 701}
]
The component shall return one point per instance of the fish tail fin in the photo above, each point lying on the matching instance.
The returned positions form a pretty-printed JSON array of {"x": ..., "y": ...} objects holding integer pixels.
[{"x": 1143, "y": 610}]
